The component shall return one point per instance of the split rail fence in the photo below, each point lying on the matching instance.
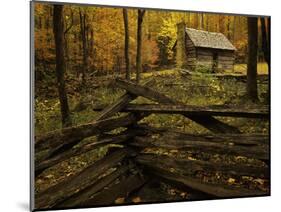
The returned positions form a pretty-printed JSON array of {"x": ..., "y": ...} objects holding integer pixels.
[{"x": 93, "y": 187}]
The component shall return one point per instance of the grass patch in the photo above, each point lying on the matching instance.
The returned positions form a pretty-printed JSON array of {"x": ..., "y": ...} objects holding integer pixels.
[{"x": 262, "y": 68}]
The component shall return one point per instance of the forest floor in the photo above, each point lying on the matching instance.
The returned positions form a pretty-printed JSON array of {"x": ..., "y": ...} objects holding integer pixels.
[{"x": 195, "y": 90}]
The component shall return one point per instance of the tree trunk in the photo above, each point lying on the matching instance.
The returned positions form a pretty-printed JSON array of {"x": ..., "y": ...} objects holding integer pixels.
[
  {"x": 207, "y": 22},
  {"x": 252, "y": 58},
  {"x": 66, "y": 49},
  {"x": 188, "y": 19},
  {"x": 127, "y": 58},
  {"x": 139, "y": 44},
  {"x": 221, "y": 24},
  {"x": 266, "y": 47},
  {"x": 202, "y": 21},
  {"x": 91, "y": 43},
  {"x": 228, "y": 28},
  {"x": 265, "y": 41},
  {"x": 84, "y": 44},
  {"x": 60, "y": 63},
  {"x": 232, "y": 28}
]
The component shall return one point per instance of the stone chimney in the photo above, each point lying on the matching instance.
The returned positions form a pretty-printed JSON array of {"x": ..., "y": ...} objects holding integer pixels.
[{"x": 181, "y": 59}]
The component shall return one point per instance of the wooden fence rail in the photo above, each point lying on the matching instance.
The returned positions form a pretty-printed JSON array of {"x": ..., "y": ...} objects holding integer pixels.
[
  {"x": 116, "y": 139},
  {"x": 216, "y": 190},
  {"x": 188, "y": 167},
  {"x": 258, "y": 152},
  {"x": 65, "y": 136},
  {"x": 213, "y": 110},
  {"x": 56, "y": 194}
]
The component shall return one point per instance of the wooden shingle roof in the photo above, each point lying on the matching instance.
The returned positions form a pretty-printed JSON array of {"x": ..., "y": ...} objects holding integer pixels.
[{"x": 207, "y": 39}]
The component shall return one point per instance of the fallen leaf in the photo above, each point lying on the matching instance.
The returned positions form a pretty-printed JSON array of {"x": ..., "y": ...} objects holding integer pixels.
[
  {"x": 172, "y": 191},
  {"x": 172, "y": 170},
  {"x": 190, "y": 158},
  {"x": 39, "y": 181},
  {"x": 231, "y": 180},
  {"x": 247, "y": 178},
  {"x": 239, "y": 157},
  {"x": 155, "y": 136},
  {"x": 136, "y": 199},
  {"x": 49, "y": 176},
  {"x": 218, "y": 176},
  {"x": 183, "y": 194},
  {"x": 260, "y": 181},
  {"x": 119, "y": 200}
]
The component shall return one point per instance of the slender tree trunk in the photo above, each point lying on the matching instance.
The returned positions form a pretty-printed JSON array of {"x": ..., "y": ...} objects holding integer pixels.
[
  {"x": 66, "y": 50},
  {"x": 189, "y": 20},
  {"x": 201, "y": 21},
  {"x": 228, "y": 28},
  {"x": 40, "y": 22},
  {"x": 218, "y": 23},
  {"x": 84, "y": 45},
  {"x": 221, "y": 24},
  {"x": 60, "y": 63},
  {"x": 233, "y": 28},
  {"x": 266, "y": 48},
  {"x": 252, "y": 90},
  {"x": 265, "y": 41},
  {"x": 127, "y": 58},
  {"x": 139, "y": 44},
  {"x": 207, "y": 22},
  {"x": 91, "y": 43}
]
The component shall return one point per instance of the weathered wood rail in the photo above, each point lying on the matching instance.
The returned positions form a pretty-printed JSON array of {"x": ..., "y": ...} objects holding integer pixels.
[
  {"x": 213, "y": 110},
  {"x": 96, "y": 185}
]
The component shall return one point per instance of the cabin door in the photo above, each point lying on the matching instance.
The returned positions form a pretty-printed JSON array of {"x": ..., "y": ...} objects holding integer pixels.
[{"x": 215, "y": 62}]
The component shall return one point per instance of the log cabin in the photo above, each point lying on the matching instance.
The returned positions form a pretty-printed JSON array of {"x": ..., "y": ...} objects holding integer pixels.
[{"x": 199, "y": 49}]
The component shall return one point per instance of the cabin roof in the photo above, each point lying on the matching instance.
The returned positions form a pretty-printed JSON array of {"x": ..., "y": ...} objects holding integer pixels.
[{"x": 206, "y": 39}]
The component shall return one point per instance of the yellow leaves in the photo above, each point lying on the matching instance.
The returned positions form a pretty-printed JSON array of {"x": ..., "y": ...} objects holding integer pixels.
[
  {"x": 136, "y": 200},
  {"x": 119, "y": 200}
]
